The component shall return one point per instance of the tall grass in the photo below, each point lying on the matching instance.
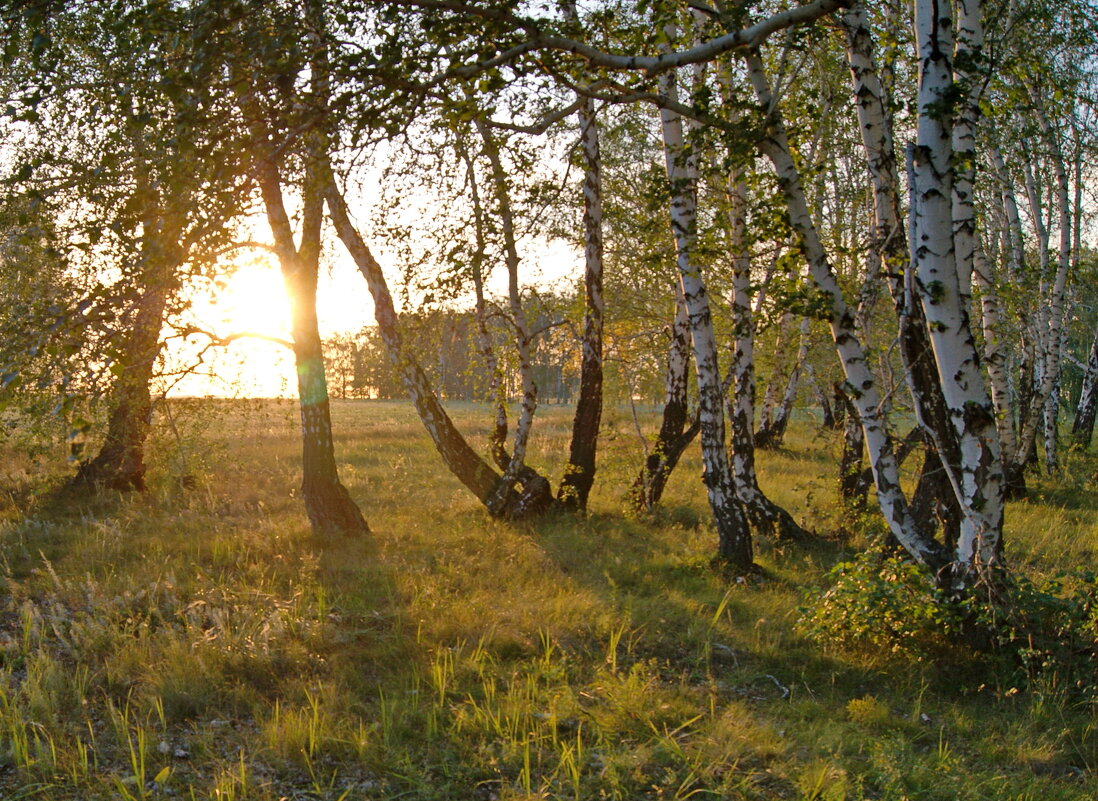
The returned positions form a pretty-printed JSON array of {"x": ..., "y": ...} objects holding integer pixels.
[{"x": 198, "y": 642}]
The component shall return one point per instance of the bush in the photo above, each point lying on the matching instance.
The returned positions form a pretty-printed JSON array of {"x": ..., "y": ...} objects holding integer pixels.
[
  {"x": 879, "y": 603},
  {"x": 1030, "y": 633}
]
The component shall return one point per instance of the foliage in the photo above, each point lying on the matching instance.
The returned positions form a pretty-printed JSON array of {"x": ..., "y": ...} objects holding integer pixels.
[
  {"x": 1032, "y": 633},
  {"x": 879, "y": 602}
]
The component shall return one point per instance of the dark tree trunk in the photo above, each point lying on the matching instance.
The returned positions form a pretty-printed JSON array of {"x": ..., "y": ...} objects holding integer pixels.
[
  {"x": 579, "y": 473},
  {"x": 329, "y": 506},
  {"x": 934, "y": 503},
  {"x": 673, "y": 436},
  {"x": 853, "y": 483},
  {"x": 120, "y": 463}
]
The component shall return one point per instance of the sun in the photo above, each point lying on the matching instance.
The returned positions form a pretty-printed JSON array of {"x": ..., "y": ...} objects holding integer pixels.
[
  {"x": 254, "y": 301},
  {"x": 250, "y": 307},
  {"x": 249, "y": 310}
]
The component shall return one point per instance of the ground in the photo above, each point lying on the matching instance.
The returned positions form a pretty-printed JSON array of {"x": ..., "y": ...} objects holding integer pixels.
[{"x": 198, "y": 642}]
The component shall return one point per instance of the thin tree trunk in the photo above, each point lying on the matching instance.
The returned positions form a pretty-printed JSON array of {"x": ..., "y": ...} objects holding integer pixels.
[
  {"x": 830, "y": 418},
  {"x": 579, "y": 473},
  {"x": 763, "y": 514},
  {"x": 536, "y": 489},
  {"x": 497, "y": 440},
  {"x": 1052, "y": 414},
  {"x": 853, "y": 487},
  {"x": 674, "y": 436},
  {"x": 734, "y": 536},
  {"x": 771, "y": 435},
  {"x": 859, "y": 379},
  {"x": 1053, "y": 309},
  {"x": 327, "y": 502},
  {"x": 1082, "y": 429},
  {"x": 770, "y": 396},
  {"x": 1013, "y": 467}
]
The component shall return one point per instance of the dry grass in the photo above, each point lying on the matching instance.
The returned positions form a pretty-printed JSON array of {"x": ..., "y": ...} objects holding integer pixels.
[{"x": 198, "y": 642}]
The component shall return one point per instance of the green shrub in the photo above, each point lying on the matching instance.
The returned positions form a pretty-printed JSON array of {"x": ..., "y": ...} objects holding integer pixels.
[
  {"x": 1029, "y": 633},
  {"x": 879, "y": 603}
]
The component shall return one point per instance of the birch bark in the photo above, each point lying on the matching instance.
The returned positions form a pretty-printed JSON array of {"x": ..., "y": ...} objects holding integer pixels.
[
  {"x": 1082, "y": 428},
  {"x": 674, "y": 435},
  {"x": 861, "y": 385},
  {"x": 890, "y": 243},
  {"x": 940, "y": 291},
  {"x": 762, "y": 513},
  {"x": 734, "y": 537}
]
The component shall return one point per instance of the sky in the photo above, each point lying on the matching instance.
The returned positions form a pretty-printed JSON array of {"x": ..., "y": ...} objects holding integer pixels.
[{"x": 254, "y": 301}]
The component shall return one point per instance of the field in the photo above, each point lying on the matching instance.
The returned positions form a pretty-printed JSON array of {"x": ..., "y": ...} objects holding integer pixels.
[{"x": 198, "y": 642}]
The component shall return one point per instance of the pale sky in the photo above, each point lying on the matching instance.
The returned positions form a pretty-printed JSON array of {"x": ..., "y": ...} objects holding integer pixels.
[{"x": 254, "y": 301}]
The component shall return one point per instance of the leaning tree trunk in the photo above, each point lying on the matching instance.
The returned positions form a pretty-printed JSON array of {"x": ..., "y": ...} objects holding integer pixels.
[
  {"x": 464, "y": 462},
  {"x": 329, "y": 506},
  {"x": 674, "y": 435},
  {"x": 861, "y": 384},
  {"x": 120, "y": 463},
  {"x": 734, "y": 536},
  {"x": 763, "y": 514},
  {"x": 579, "y": 473}
]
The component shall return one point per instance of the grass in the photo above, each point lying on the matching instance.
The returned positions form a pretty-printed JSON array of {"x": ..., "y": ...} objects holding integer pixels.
[{"x": 198, "y": 642}]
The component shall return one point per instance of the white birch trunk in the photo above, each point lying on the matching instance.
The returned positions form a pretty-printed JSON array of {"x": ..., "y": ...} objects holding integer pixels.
[
  {"x": 890, "y": 243},
  {"x": 763, "y": 514},
  {"x": 1052, "y": 310},
  {"x": 966, "y": 76},
  {"x": 732, "y": 529},
  {"x": 1082, "y": 429},
  {"x": 995, "y": 353},
  {"x": 940, "y": 291},
  {"x": 860, "y": 382}
]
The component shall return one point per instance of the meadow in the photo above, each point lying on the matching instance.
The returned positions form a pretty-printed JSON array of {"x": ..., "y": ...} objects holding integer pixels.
[{"x": 197, "y": 641}]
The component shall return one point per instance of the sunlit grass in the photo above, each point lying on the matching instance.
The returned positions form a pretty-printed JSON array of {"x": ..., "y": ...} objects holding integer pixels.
[{"x": 199, "y": 642}]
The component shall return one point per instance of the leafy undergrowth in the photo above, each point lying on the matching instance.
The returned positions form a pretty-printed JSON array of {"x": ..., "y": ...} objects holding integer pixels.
[{"x": 198, "y": 642}]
